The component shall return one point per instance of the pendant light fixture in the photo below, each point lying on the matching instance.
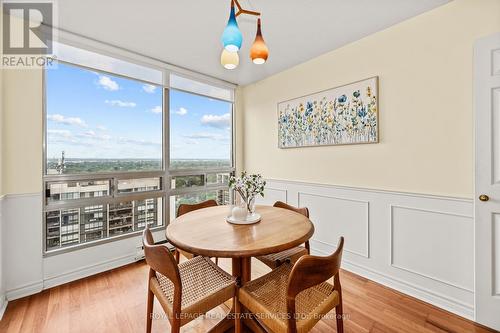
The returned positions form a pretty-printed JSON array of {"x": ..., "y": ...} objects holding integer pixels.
[
  {"x": 259, "y": 51},
  {"x": 232, "y": 37},
  {"x": 232, "y": 40},
  {"x": 230, "y": 60}
]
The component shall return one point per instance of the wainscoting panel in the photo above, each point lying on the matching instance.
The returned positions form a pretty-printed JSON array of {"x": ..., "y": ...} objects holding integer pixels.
[
  {"x": 444, "y": 237},
  {"x": 351, "y": 220},
  {"x": 22, "y": 222},
  {"x": 421, "y": 245},
  {"x": 3, "y": 300}
]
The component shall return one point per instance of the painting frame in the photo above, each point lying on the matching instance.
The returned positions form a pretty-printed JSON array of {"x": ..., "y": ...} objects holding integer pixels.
[{"x": 377, "y": 114}]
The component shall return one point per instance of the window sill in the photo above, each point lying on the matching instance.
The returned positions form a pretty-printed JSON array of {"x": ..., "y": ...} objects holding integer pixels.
[{"x": 96, "y": 242}]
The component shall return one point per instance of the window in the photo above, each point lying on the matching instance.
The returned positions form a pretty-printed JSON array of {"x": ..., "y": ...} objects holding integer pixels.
[
  {"x": 117, "y": 158},
  {"x": 104, "y": 170},
  {"x": 200, "y": 131},
  {"x": 201, "y": 149},
  {"x": 98, "y": 122}
]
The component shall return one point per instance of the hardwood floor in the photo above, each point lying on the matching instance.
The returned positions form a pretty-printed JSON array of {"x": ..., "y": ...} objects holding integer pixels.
[{"x": 115, "y": 301}]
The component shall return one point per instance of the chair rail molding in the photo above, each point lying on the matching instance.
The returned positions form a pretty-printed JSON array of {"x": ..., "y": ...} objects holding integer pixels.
[{"x": 414, "y": 243}]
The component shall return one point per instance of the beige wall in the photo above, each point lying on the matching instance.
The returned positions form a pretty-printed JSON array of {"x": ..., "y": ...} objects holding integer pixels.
[
  {"x": 426, "y": 117},
  {"x": 1, "y": 113},
  {"x": 1, "y": 127},
  {"x": 425, "y": 70},
  {"x": 22, "y": 131}
]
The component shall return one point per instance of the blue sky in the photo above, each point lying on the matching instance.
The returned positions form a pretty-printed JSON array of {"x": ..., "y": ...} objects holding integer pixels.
[{"x": 96, "y": 115}]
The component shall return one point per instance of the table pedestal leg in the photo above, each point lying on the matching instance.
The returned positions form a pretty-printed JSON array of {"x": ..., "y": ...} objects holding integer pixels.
[
  {"x": 242, "y": 268},
  {"x": 242, "y": 271}
]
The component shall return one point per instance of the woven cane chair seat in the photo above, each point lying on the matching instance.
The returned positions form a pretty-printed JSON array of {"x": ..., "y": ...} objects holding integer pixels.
[
  {"x": 266, "y": 298},
  {"x": 204, "y": 286},
  {"x": 273, "y": 260}
]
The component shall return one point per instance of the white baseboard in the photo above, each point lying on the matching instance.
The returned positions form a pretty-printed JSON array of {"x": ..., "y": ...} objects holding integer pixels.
[
  {"x": 69, "y": 276},
  {"x": 24, "y": 290},
  {"x": 439, "y": 300},
  {"x": 405, "y": 287},
  {"x": 89, "y": 270}
]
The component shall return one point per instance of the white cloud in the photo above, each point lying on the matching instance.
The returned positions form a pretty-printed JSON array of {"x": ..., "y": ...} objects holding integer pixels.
[
  {"x": 192, "y": 142},
  {"x": 59, "y": 118},
  {"x": 209, "y": 136},
  {"x": 157, "y": 109},
  {"x": 149, "y": 88},
  {"x": 181, "y": 112},
  {"x": 139, "y": 142},
  {"x": 121, "y": 104},
  {"x": 59, "y": 133},
  {"x": 101, "y": 128},
  {"x": 65, "y": 137},
  {"x": 216, "y": 121},
  {"x": 93, "y": 135},
  {"x": 107, "y": 83}
]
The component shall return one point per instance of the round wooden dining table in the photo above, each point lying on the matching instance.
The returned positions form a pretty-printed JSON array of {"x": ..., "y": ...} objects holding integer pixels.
[{"x": 205, "y": 232}]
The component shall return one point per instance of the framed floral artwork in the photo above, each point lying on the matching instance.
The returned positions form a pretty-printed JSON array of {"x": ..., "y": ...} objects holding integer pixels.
[{"x": 343, "y": 115}]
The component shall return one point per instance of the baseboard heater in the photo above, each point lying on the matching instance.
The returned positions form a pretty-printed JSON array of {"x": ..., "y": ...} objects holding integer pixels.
[{"x": 140, "y": 253}]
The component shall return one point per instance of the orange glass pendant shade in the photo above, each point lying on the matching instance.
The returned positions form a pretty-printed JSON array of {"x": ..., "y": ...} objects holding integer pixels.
[{"x": 259, "y": 51}]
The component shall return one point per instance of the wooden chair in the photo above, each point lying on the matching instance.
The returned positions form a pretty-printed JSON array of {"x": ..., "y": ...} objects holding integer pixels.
[
  {"x": 185, "y": 291},
  {"x": 293, "y": 297},
  {"x": 184, "y": 209},
  {"x": 273, "y": 260}
]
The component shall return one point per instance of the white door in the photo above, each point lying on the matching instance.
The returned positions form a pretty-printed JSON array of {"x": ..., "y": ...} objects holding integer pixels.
[{"x": 487, "y": 202}]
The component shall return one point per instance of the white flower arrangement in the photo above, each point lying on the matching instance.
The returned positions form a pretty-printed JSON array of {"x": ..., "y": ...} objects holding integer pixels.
[{"x": 248, "y": 186}]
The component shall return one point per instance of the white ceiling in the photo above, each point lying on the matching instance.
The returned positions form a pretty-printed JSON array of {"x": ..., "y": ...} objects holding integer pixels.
[{"x": 186, "y": 33}]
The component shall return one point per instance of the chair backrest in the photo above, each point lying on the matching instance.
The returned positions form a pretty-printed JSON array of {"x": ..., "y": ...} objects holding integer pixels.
[
  {"x": 159, "y": 258},
  {"x": 309, "y": 271},
  {"x": 186, "y": 208},
  {"x": 304, "y": 211}
]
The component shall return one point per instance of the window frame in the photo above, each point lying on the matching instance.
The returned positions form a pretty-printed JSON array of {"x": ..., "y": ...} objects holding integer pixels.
[{"x": 165, "y": 174}]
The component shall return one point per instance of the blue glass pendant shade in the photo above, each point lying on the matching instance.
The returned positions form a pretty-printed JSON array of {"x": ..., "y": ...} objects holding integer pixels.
[{"x": 232, "y": 37}]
